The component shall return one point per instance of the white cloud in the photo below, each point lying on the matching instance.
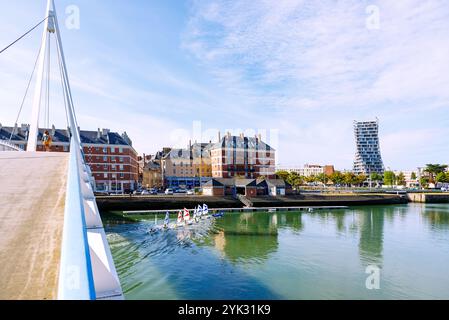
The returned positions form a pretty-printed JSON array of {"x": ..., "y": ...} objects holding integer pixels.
[{"x": 319, "y": 65}]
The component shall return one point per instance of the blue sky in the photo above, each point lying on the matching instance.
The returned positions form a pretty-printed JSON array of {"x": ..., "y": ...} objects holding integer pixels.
[{"x": 299, "y": 72}]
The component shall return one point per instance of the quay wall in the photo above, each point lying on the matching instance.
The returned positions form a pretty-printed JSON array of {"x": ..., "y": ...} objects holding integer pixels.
[
  {"x": 428, "y": 197},
  {"x": 162, "y": 202}
]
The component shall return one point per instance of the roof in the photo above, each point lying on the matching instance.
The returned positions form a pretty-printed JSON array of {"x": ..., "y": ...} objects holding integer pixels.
[
  {"x": 62, "y": 136},
  {"x": 152, "y": 165},
  {"x": 279, "y": 183},
  {"x": 213, "y": 183},
  {"x": 240, "y": 143},
  {"x": 197, "y": 150}
]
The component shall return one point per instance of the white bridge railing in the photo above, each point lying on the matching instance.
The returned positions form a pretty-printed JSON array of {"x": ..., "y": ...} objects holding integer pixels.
[
  {"x": 87, "y": 271},
  {"x": 7, "y": 146}
]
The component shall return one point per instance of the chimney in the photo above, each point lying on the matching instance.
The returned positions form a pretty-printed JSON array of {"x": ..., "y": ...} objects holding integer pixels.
[
  {"x": 105, "y": 132},
  {"x": 229, "y": 135},
  {"x": 260, "y": 136},
  {"x": 53, "y": 130},
  {"x": 219, "y": 136},
  {"x": 98, "y": 133},
  {"x": 242, "y": 135}
]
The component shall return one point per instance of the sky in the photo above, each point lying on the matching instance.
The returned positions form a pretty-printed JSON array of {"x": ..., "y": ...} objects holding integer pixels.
[{"x": 298, "y": 72}]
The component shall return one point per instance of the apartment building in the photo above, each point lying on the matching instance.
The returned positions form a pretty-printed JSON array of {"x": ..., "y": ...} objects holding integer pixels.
[
  {"x": 309, "y": 169},
  {"x": 367, "y": 157},
  {"x": 187, "y": 168},
  {"x": 110, "y": 156},
  {"x": 242, "y": 157}
]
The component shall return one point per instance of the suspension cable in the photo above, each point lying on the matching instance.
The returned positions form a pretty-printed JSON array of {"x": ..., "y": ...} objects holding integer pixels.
[
  {"x": 62, "y": 85},
  {"x": 26, "y": 92},
  {"x": 22, "y": 36},
  {"x": 48, "y": 82}
]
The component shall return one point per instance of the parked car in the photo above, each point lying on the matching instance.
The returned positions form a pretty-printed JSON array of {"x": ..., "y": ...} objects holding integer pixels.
[
  {"x": 145, "y": 192},
  {"x": 444, "y": 189},
  {"x": 190, "y": 192},
  {"x": 181, "y": 191},
  {"x": 153, "y": 191},
  {"x": 169, "y": 191}
]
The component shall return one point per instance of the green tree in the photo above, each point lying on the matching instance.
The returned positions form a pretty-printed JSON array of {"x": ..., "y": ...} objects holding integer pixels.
[
  {"x": 433, "y": 170},
  {"x": 310, "y": 179},
  {"x": 361, "y": 178},
  {"x": 424, "y": 181},
  {"x": 413, "y": 176},
  {"x": 376, "y": 177},
  {"x": 323, "y": 178},
  {"x": 389, "y": 178},
  {"x": 283, "y": 174},
  {"x": 294, "y": 179},
  {"x": 400, "y": 179},
  {"x": 349, "y": 178},
  {"x": 337, "y": 177},
  {"x": 442, "y": 177}
]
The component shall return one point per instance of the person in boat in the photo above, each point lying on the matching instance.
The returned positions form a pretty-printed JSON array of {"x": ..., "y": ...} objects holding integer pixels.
[
  {"x": 46, "y": 141},
  {"x": 167, "y": 220},
  {"x": 180, "y": 217}
]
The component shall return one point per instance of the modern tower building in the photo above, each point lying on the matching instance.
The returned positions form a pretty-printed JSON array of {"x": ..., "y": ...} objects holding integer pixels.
[{"x": 367, "y": 157}]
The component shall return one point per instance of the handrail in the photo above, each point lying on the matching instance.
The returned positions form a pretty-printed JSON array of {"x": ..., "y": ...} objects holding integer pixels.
[
  {"x": 10, "y": 145},
  {"x": 76, "y": 280}
]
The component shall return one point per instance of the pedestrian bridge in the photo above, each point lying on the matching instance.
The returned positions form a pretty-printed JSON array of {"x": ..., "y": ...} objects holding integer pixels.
[{"x": 52, "y": 241}]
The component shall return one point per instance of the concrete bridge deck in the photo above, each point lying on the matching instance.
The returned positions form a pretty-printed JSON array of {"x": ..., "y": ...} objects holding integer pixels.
[{"x": 32, "y": 198}]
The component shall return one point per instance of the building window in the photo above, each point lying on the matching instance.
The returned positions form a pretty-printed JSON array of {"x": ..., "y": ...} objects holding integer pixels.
[
  {"x": 120, "y": 150},
  {"x": 105, "y": 168},
  {"x": 112, "y": 150},
  {"x": 66, "y": 148},
  {"x": 105, "y": 175},
  {"x": 122, "y": 175},
  {"x": 113, "y": 159},
  {"x": 113, "y": 167},
  {"x": 120, "y": 159},
  {"x": 105, "y": 150},
  {"x": 105, "y": 159},
  {"x": 121, "y": 167}
]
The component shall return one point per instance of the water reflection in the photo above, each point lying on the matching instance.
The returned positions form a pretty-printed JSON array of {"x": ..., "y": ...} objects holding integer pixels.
[
  {"x": 256, "y": 255},
  {"x": 247, "y": 237},
  {"x": 371, "y": 236}
]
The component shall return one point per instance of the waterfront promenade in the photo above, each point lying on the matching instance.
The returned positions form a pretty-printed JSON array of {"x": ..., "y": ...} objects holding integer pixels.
[{"x": 32, "y": 199}]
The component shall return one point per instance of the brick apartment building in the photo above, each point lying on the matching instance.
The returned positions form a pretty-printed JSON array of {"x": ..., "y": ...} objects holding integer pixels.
[
  {"x": 242, "y": 157},
  {"x": 111, "y": 157}
]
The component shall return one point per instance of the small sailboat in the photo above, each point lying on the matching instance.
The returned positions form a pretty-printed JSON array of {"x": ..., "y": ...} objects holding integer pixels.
[
  {"x": 187, "y": 217},
  {"x": 167, "y": 220}
]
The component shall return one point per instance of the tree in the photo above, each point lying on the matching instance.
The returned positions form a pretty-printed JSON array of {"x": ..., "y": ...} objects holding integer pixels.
[
  {"x": 424, "y": 181},
  {"x": 294, "y": 179},
  {"x": 376, "y": 177},
  {"x": 400, "y": 179},
  {"x": 310, "y": 179},
  {"x": 283, "y": 174},
  {"x": 442, "y": 177},
  {"x": 360, "y": 179},
  {"x": 336, "y": 177},
  {"x": 349, "y": 178},
  {"x": 389, "y": 178},
  {"x": 433, "y": 170},
  {"x": 413, "y": 176},
  {"x": 323, "y": 178}
]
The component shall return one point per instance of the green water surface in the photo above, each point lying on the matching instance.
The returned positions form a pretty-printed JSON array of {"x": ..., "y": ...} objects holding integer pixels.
[{"x": 289, "y": 255}]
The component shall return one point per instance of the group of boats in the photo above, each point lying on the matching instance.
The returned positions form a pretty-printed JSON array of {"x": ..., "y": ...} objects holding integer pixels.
[{"x": 184, "y": 218}]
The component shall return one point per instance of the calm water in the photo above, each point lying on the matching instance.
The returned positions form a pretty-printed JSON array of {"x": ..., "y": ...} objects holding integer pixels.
[{"x": 290, "y": 255}]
